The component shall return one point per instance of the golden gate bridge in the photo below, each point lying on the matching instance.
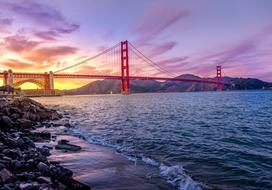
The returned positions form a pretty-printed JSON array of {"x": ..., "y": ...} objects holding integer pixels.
[{"x": 122, "y": 61}]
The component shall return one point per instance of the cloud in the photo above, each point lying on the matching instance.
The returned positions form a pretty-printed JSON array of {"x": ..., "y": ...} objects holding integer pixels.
[
  {"x": 242, "y": 58},
  {"x": 16, "y": 64},
  {"x": 163, "y": 48},
  {"x": 50, "y": 53},
  {"x": 41, "y": 15},
  {"x": 5, "y": 22},
  {"x": 156, "y": 20},
  {"x": 18, "y": 43},
  {"x": 174, "y": 61},
  {"x": 50, "y": 35}
]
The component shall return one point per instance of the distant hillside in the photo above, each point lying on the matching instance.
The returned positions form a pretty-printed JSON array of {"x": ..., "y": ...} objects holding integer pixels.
[{"x": 138, "y": 86}]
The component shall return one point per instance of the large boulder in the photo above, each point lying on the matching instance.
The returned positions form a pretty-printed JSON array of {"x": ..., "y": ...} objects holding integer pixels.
[{"x": 6, "y": 121}]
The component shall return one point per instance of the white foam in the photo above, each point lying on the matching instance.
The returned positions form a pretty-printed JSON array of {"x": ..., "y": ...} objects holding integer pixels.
[
  {"x": 150, "y": 161},
  {"x": 177, "y": 177},
  {"x": 174, "y": 175}
]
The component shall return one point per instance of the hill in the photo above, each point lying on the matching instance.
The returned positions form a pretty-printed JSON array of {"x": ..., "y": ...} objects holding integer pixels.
[{"x": 140, "y": 86}]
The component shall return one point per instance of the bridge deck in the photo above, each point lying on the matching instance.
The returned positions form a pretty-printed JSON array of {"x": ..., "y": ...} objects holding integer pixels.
[{"x": 85, "y": 76}]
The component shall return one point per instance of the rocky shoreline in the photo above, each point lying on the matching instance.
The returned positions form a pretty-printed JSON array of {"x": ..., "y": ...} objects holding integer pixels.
[{"x": 23, "y": 165}]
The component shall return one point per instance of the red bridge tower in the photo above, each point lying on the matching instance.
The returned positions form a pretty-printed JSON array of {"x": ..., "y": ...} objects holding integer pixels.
[{"x": 124, "y": 68}]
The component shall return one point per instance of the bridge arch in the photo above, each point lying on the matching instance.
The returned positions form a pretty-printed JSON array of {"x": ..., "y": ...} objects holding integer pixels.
[{"x": 34, "y": 81}]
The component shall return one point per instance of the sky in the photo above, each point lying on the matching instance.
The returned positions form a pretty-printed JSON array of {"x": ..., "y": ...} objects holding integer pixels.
[{"x": 181, "y": 36}]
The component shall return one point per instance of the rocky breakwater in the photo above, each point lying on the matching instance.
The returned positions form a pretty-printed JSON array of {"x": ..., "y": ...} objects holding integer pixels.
[{"x": 23, "y": 165}]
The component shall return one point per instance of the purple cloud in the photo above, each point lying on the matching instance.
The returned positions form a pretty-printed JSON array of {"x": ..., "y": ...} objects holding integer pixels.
[
  {"x": 42, "y": 15},
  {"x": 5, "y": 21},
  {"x": 47, "y": 35},
  {"x": 240, "y": 59},
  {"x": 156, "y": 21},
  {"x": 163, "y": 48},
  {"x": 173, "y": 62}
]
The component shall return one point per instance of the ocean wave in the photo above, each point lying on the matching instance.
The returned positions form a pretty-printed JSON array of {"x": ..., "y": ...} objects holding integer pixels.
[{"x": 174, "y": 175}]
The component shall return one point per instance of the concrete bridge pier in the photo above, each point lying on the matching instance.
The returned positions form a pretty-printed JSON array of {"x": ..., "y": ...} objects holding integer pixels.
[
  {"x": 49, "y": 83},
  {"x": 51, "y": 80},
  {"x": 8, "y": 78}
]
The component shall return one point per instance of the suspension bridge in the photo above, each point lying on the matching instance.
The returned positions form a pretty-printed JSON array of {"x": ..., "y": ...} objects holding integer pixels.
[{"x": 122, "y": 61}]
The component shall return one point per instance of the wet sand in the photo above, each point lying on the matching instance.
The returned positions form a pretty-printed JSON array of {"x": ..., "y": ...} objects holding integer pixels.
[{"x": 104, "y": 169}]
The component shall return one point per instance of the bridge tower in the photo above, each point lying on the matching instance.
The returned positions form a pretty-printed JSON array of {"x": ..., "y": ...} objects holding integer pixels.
[
  {"x": 8, "y": 78},
  {"x": 49, "y": 83},
  {"x": 124, "y": 68},
  {"x": 219, "y": 77}
]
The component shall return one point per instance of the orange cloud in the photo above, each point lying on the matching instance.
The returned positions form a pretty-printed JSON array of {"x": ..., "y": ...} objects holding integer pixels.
[{"x": 50, "y": 53}]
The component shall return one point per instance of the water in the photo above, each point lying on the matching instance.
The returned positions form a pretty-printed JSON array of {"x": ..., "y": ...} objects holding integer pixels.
[{"x": 221, "y": 140}]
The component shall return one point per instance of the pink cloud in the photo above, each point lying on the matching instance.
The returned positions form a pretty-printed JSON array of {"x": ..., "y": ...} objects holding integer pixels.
[{"x": 19, "y": 43}]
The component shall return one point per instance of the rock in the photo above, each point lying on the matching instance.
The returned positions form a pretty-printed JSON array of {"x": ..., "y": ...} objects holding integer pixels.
[
  {"x": 5, "y": 187},
  {"x": 2, "y": 166},
  {"x": 14, "y": 116},
  {"x": 34, "y": 117},
  {"x": 7, "y": 121},
  {"x": 16, "y": 164},
  {"x": 6, "y": 111},
  {"x": 26, "y": 186},
  {"x": 44, "y": 151},
  {"x": 60, "y": 172},
  {"x": 59, "y": 186},
  {"x": 15, "y": 110},
  {"x": 39, "y": 136},
  {"x": 43, "y": 179},
  {"x": 43, "y": 168},
  {"x": 10, "y": 142},
  {"x": 5, "y": 175},
  {"x": 68, "y": 125},
  {"x": 24, "y": 122},
  {"x": 63, "y": 141},
  {"x": 12, "y": 153},
  {"x": 48, "y": 146},
  {"x": 25, "y": 176},
  {"x": 55, "y": 115},
  {"x": 73, "y": 184},
  {"x": 64, "y": 145}
]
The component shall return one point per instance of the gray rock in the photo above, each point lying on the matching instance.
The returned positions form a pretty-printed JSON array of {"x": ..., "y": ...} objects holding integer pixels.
[
  {"x": 68, "y": 125},
  {"x": 2, "y": 166},
  {"x": 26, "y": 186},
  {"x": 15, "y": 110},
  {"x": 14, "y": 116},
  {"x": 5, "y": 187},
  {"x": 43, "y": 179},
  {"x": 7, "y": 121},
  {"x": 64, "y": 145},
  {"x": 43, "y": 168},
  {"x": 24, "y": 122},
  {"x": 5, "y": 175},
  {"x": 25, "y": 176},
  {"x": 16, "y": 164}
]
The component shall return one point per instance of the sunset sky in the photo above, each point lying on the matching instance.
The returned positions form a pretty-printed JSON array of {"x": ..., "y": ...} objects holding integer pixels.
[{"x": 183, "y": 36}]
